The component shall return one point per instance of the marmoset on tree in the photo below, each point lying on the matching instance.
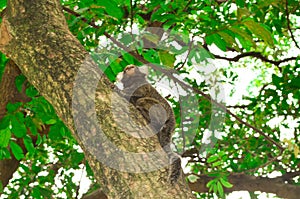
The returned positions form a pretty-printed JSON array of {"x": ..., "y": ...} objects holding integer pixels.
[{"x": 156, "y": 110}]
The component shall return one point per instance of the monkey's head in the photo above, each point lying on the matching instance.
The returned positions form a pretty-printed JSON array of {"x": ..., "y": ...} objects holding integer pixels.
[
  {"x": 132, "y": 75},
  {"x": 130, "y": 70}
]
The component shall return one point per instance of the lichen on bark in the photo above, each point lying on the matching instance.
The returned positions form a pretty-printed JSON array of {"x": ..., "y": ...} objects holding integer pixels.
[{"x": 50, "y": 57}]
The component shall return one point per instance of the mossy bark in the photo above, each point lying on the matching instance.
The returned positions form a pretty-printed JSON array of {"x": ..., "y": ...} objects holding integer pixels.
[{"x": 35, "y": 35}]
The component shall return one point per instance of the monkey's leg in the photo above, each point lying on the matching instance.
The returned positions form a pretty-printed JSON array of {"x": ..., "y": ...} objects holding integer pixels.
[{"x": 153, "y": 112}]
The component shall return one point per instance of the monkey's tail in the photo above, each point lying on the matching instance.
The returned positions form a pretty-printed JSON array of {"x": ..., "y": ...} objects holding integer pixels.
[{"x": 175, "y": 168}]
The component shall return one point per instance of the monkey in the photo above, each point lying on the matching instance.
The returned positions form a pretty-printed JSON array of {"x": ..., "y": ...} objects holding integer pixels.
[{"x": 157, "y": 112}]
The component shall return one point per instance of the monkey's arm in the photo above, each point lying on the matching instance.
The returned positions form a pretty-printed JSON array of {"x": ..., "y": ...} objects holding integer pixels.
[{"x": 153, "y": 111}]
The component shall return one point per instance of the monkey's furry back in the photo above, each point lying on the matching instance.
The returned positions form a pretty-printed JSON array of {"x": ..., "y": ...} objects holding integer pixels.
[{"x": 156, "y": 110}]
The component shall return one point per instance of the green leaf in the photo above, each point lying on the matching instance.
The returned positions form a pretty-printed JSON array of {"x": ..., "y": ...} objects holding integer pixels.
[
  {"x": 193, "y": 178},
  {"x": 36, "y": 193},
  {"x": 126, "y": 39},
  {"x": 260, "y": 31},
  {"x": 217, "y": 40},
  {"x": 212, "y": 159},
  {"x": 110, "y": 74},
  {"x": 211, "y": 188},
  {"x": 151, "y": 37},
  {"x": 245, "y": 39},
  {"x": 229, "y": 40},
  {"x": 295, "y": 83},
  {"x": 1, "y": 187},
  {"x": 51, "y": 121},
  {"x": 10, "y": 107},
  {"x": 77, "y": 158},
  {"x": 215, "y": 188},
  {"x": 225, "y": 183},
  {"x": 240, "y": 3},
  {"x": 129, "y": 58},
  {"x": 2, "y": 3},
  {"x": 115, "y": 67},
  {"x": 25, "y": 168},
  {"x": 36, "y": 168},
  {"x": 111, "y": 8},
  {"x": 220, "y": 189},
  {"x": 54, "y": 132},
  {"x": 218, "y": 163},
  {"x": 167, "y": 58},
  {"x": 16, "y": 150},
  {"x": 29, "y": 144},
  {"x": 47, "y": 193},
  {"x": 243, "y": 13},
  {"x": 18, "y": 128},
  {"x": 202, "y": 54},
  {"x": 5, "y": 122},
  {"x": 217, "y": 175},
  {"x": 89, "y": 170},
  {"x": 151, "y": 56},
  {"x": 30, "y": 124},
  {"x": 4, "y": 153},
  {"x": 276, "y": 80},
  {"x": 19, "y": 81},
  {"x": 39, "y": 140},
  {"x": 210, "y": 183},
  {"x": 31, "y": 91},
  {"x": 5, "y": 136}
]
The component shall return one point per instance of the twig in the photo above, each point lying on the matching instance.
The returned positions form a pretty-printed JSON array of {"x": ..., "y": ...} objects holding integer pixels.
[
  {"x": 187, "y": 56},
  {"x": 131, "y": 19},
  {"x": 288, "y": 23},
  {"x": 267, "y": 163},
  {"x": 181, "y": 122},
  {"x": 246, "y": 105},
  {"x": 257, "y": 55},
  {"x": 81, "y": 176}
]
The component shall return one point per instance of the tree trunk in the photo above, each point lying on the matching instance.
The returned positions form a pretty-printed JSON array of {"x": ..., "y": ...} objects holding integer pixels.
[{"x": 35, "y": 35}]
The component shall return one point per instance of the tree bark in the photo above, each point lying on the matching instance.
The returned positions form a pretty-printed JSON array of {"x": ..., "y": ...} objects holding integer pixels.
[
  {"x": 244, "y": 182},
  {"x": 241, "y": 182},
  {"x": 9, "y": 93},
  {"x": 35, "y": 35}
]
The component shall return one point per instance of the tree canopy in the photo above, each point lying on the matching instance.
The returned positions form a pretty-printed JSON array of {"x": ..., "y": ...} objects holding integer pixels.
[{"x": 196, "y": 53}]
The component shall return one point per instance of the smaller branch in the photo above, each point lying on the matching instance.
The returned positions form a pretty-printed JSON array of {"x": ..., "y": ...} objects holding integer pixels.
[
  {"x": 265, "y": 164},
  {"x": 288, "y": 176},
  {"x": 247, "y": 105},
  {"x": 187, "y": 56},
  {"x": 181, "y": 122},
  {"x": 186, "y": 6},
  {"x": 239, "y": 106},
  {"x": 131, "y": 18},
  {"x": 81, "y": 176},
  {"x": 289, "y": 23},
  {"x": 192, "y": 153},
  {"x": 257, "y": 55}
]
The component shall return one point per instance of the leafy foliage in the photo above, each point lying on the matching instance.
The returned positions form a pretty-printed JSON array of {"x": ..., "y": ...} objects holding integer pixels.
[{"x": 258, "y": 29}]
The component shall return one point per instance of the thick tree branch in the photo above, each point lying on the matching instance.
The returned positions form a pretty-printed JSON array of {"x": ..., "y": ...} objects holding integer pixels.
[
  {"x": 241, "y": 182},
  {"x": 36, "y": 36},
  {"x": 289, "y": 176},
  {"x": 250, "y": 183}
]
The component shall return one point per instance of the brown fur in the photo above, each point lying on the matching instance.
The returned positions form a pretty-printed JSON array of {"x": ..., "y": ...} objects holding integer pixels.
[{"x": 156, "y": 110}]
